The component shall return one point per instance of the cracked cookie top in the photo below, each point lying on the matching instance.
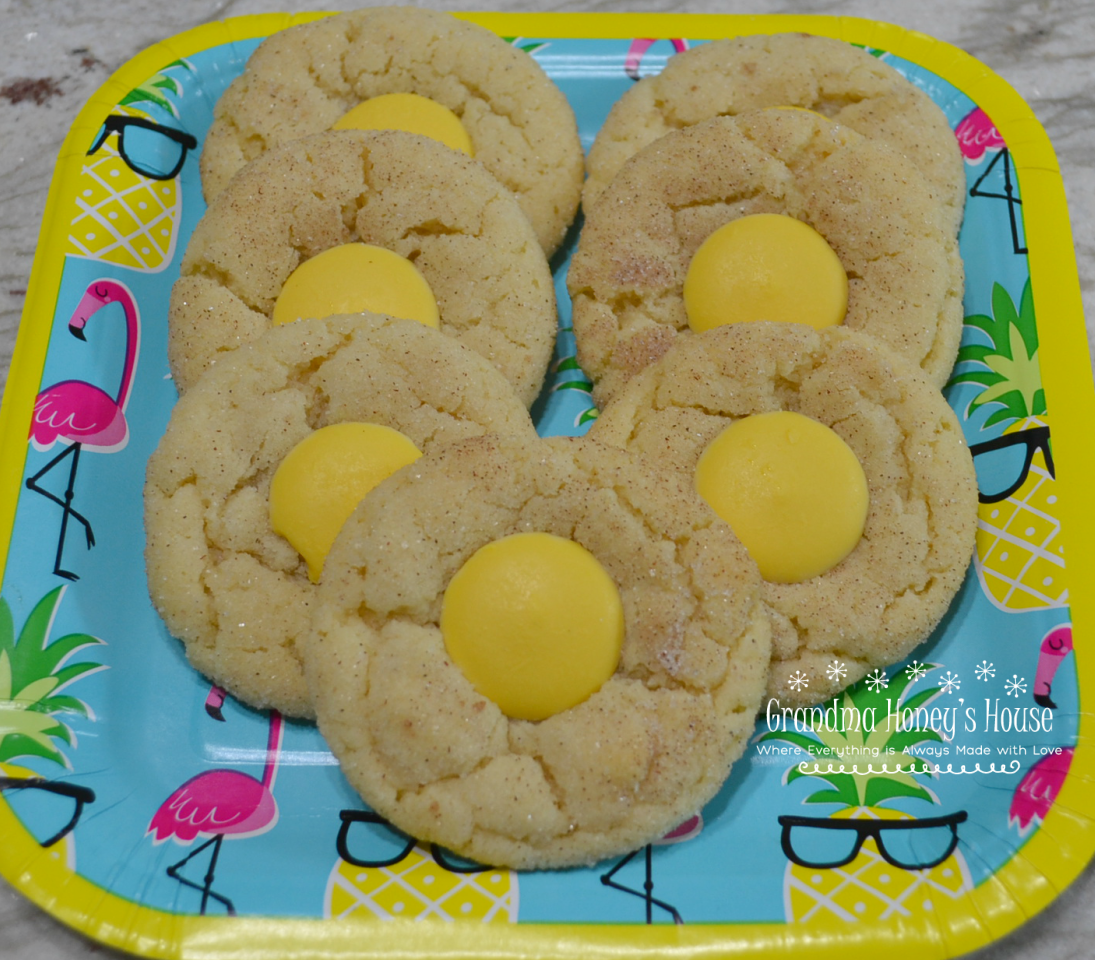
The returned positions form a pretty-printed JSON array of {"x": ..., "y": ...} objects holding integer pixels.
[
  {"x": 234, "y": 591},
  {"x": 460, "y": 228},
  {"x": 888, "y": 594},
  {"x": 872, "y": 206},
  {"x": 728, "y": 77},
  {"x": 635, "y": 759},
  {"x": 301, "y": 80}
]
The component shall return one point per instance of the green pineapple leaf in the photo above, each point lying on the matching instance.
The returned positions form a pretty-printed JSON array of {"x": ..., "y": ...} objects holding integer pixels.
[
  {"x": 17, "y": 745},
  {"x": 530, "y": 46},
  {"x": 31, "y": 664},
  {"x": 879, "y": 790},
  {"x": 156, "y": 89},
  {"x": 582, "y": 385},
  {"x": 843, "y": 787},
  {"x": 568, "y": 363},
  {"x": 65, "y": 704},
  {"x": 7, "y": 629},
  {"x": 1008, "y": 369},
  {"x": 911, "y": 738},
  {"x": 32, "y": 676},
  {"x": 832, "y": 796},
  {"x": 922, "y": 699},
  {"x": 868, "y": 764}
]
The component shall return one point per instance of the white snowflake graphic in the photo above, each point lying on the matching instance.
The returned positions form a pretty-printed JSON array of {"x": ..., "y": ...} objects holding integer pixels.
[
  {"x": 985, "y": 671},
  {"x": 836, "y": 670},
  {"x": 1016, "y": 685},
  {"x": 949, "y": 682},
  {"x": 798, "y": 680},
  {"x": 916, "y": 670},
  {"x": 877, "y": 680}
]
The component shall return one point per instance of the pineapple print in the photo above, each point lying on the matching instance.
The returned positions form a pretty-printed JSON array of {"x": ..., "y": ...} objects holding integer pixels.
[
  {"x": 33, "y": 676},
  {"x": 417, "y": 887},
  {"x": 122, "y": 216},
  {"x": 850, "y": 773},
  {"x": 1019, "y": 558},
  {"x": 578, "y": 381}
]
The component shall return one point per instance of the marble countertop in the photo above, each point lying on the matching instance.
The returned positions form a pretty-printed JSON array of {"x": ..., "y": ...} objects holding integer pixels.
[{"x": 58, "y": 53}]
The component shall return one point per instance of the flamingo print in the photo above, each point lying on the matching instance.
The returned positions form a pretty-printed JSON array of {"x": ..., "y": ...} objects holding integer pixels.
[
  {"x": 977, "y": 135},
  {"x": 639, "y": 47},
  {"x": 80, "y": 414},
  {"x": 217, "y": 804},
  {"x": 1038, "y": 789},
  {"x": 685, "y": 831},
  {"x": 1056, "y": 645}
]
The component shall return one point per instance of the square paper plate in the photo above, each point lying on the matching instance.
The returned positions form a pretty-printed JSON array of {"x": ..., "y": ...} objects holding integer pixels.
[{"x": 101, "y": 718}]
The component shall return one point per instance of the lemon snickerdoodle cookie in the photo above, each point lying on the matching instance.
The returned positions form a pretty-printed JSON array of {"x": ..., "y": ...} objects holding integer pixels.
[
  {"x": 302, "y": 80},
  {"x": 431, "y": 752},
  {"x": 444, "y": 213},
  {"x": 232, "y": 589},
  {"x": 732, "y": 76},
  {"x": 890, "y": 591},
  {"x": 872, "y": 207}
]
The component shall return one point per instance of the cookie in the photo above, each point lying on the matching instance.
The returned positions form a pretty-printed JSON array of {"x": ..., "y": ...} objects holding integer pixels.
[
  {"x": 235, "y": 592},
  {"x": 905, "y": 275},
  {"x": 888, "y": 594},
  {"x": 442, "y": 211},
  {"x": 728, "y": 77},
  {"x": 301, "y": 80},
  {"x": 609, "y": 774}
]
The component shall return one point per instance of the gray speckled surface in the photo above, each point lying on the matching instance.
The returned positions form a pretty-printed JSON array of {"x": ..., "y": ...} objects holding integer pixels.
[{"x": 67, "y": 48}]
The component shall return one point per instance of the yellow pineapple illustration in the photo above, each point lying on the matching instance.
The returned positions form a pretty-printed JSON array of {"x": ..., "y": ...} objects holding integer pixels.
[
  {"x": 867, "y": 861},
  {"x": 34, "y": 673},
  {"x": 869, "y": 887},
  {"x": 122, "y": 215},
  {"x": 1020, "y": 557},
  {"x": 62, "y": 850},
  {"x": 415, "y": 883}
]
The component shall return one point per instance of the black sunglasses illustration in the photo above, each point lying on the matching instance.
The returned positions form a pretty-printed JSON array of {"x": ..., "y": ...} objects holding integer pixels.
[
  {"x": 878, "y": 829},
  {"x": 81, "y": 796},
  {"x": 442, "y": 857},
  {"x": 147, "y": 147},
  {"x": 1036, "y": 438}
]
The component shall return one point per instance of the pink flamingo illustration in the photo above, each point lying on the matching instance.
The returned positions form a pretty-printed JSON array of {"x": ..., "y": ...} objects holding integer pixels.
[
  {"x": 217, "y": 804},
  {"x": 690, "y": 828},
  {"x": 215, "y": 701},
  {"x": 1055, "y": 647},
  {"x": 1038, "y": 789},
  {"x": 80, "y": 414},
  {"x": 977, "y": 134},
  {"x": 638, "y": 48}
]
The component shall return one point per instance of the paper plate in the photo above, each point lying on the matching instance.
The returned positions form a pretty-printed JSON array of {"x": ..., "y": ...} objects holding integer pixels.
[{"x": 102, "y": 720}]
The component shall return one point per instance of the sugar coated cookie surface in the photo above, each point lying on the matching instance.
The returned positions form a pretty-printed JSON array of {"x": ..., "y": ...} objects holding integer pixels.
[
  {"x": 235, "y": 592},
  {"x": 891, "y": 590},
  {"x": 440, "y": 760},
  {"x": 626, "y": 280},
  {"x": 728, "y": 77},
  {"x": 463, "y": 232},
  {"x": 301, "y": 81}
]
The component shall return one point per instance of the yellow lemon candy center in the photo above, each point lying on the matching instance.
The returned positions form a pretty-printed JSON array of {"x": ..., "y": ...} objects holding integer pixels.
[
  {"x": 409, "y": 112},
  {"x": 325, "y": 476},
  {"x": 790, "y": 488},
  {"x": 765, "y": 267},
  {"x": 534, "y": 622},
  {"x": 354, "y": 277}
]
